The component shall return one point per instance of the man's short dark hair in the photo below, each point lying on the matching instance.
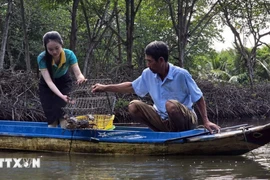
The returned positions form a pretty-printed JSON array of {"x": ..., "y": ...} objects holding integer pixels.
[{"x": 157, "y": 49}]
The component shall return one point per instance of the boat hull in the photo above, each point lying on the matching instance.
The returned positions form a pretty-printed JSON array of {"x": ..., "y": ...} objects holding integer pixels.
[{"x": 130, "y": 141}]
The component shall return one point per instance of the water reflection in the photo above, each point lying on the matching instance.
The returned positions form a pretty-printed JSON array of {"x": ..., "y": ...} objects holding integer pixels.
[{"x": 254, "y": 165}]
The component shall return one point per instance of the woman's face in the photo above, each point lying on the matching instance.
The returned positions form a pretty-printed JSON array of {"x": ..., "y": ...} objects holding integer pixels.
[{"x": 54, "y": 48}]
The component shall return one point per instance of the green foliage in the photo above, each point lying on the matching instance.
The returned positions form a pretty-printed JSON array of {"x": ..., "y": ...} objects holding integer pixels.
[
  {"x": 53, "y": 4},
  {"x": 39, "y": 21},
  {"x": 228, "y": 66},
  {"x": 152, "y": 14},
  {"x": 239, "y": 79},
  {"x": 121, "y": 103},
  {"x": 152, "y": 22},
  {"x": 263, "y": 63},
  {"x": 212, "y": 69}
]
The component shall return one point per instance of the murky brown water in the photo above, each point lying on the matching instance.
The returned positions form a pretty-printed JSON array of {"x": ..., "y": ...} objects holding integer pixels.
[{"x": 255, "y": 165}]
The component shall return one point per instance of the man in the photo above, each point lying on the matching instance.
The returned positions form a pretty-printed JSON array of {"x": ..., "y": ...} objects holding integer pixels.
[{"x": 172, "y": 90}]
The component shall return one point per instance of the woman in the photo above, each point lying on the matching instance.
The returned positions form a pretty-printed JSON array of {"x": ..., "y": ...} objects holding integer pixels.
[{"x": 55, "y": 82}]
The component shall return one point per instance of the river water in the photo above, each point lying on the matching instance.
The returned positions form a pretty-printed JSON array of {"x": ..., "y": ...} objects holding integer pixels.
[{"x": 253, "y": 165}]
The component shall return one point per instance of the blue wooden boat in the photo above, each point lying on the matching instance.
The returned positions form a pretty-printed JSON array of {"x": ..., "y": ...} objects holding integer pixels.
[{"x": 128, "y": 140}]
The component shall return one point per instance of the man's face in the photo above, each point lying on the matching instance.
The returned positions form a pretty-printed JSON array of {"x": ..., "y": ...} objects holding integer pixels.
[{"x": 153, "y": 65}]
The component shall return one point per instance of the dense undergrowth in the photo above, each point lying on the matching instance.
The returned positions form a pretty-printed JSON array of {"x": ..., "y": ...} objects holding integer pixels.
[{"x": 19, "y": 99}]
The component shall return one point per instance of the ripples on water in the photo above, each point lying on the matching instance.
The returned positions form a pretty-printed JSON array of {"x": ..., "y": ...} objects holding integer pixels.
[{"x": 254, "y": 165}]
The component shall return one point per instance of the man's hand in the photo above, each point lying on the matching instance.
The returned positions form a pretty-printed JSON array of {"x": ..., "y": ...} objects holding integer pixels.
[
  {"x": 98, "y": 88},
  {"x": 211, "y": 127}
]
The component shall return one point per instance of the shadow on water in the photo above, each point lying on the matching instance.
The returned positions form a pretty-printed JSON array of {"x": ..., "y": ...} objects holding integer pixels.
[{"x": 81, "y": 166}]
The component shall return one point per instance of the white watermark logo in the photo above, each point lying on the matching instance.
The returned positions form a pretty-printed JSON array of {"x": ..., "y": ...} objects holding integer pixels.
[{"x": 19, "y": 162}]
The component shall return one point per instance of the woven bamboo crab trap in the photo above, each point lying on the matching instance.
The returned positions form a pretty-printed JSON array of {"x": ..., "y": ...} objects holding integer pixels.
[{"x": 90, "y": 110}]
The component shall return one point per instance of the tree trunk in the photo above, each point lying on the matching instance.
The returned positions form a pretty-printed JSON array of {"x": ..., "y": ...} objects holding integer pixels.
[
  {"x": 129, "y": 31},
  {"x": 87, "y": 60},
  {"x": 101, "y": 26},
  {"x": 180, "y": 34},
  {"x": 182, "y": 20},
  {"x": 73, "y": 33},
  {"x": 248, "y": 27},
  {"x": 5, "y": 35},
  {"x": 26, "y": 42},
  {"x": 119, "y": 59},
  {"x": 131, "y": 12}
]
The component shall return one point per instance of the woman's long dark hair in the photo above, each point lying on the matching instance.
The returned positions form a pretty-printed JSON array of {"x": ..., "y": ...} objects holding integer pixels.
[{"x": 55, "y": 36}]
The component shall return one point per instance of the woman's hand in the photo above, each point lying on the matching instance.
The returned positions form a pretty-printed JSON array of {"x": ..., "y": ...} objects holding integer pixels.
[
  {"x": 81, "y": 79},
  {"x": 68, "y": 99},
  {"x": 78, "y": 74},
  {"x": 65, "y": 98}
]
